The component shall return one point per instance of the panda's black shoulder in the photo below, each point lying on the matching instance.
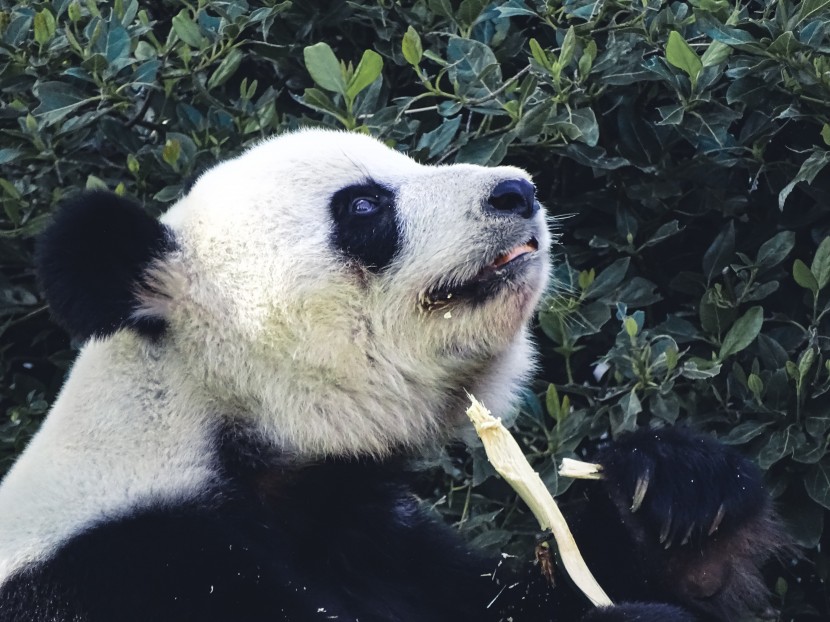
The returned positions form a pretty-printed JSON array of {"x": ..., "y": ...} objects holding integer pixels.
[{"x": 270, "y": 542}]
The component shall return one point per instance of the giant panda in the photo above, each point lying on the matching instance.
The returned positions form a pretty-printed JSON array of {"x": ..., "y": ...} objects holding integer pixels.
[{"x": 258, "y": 366}]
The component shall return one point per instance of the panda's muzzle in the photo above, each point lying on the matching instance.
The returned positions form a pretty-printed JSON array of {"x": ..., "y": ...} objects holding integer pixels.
[{"x": 506, "y": 267}]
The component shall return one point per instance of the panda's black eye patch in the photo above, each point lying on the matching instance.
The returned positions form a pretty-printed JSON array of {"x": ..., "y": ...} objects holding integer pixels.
[{"x": 366, "y": 224}]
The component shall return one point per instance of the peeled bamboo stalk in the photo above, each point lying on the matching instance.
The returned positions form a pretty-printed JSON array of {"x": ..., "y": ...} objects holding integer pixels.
[
  {"x": 576, "y": 469},
  {"x": 506, "y": 457}
]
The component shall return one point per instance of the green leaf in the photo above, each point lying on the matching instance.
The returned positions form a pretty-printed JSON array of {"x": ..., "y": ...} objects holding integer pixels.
[
  {"x": 744, "y": 432},
  {"x": 73, "y": 11},
  {"x": 810, "y": 9},
  {"x": 486, "y": 151},
  {"x": 825, "y": 133},
  {"x": 666, "y": 407},
  {"x": 411, "y": 47},
  {"x": 580, "y": 124},
  {"x": 171, "y": 151},
  {"x": 755, "y": 384},
  {"x": 803, "y": 276},
  {"x": 817, "y": 483},
  {"x": 608, "y": 280},
  {"x": 716, "y": 314},
  {"x": 785, "y": 45},
  {"x": 664, "y": 232},
  {"x": 821, "y": 263},
  {"x": 439, "y": 139},
  {"x": 324, "y": 67},
  {"x": 553, "y": 404},
  {"x": 9, "y": 155},
  {"x": 805, "y": 362},
  {"x": 809, "y": 452},
  {"x": 724, "y": 33},
  {"x": 586, "y": 277},
  {"x": 539, "y": 55},
  {"x": 715, "y": 54},
  {"x": 226, "y": 69},
  {"x": 168, "y": 194},
  {"x": 441, "y": 7},
  {"x": 44, "y": 24},
  {"x": 9, "y": 188},
  {"x": 117, "y": 44},
  {"x": 57, "y": 100},
  {"x": 469, "y": 10},
  {"x": 586, "y": 61},
  {"x": 679, "y": 54},
  {"x": 811, "y": 167},
  {"x": 187, "y": 30},
  {"x": 368, "y": 70},
  {"x": 318, "y": 100},
  {"x": 776, "y": 249},
  {"x": 566, "y": 54},
  {"x": 95, "y": 183},
  {"x": 779, "y": 445},
  {"x": 474, "y": 69},
  {"x": 743, "y": 332},
  {"x": 133, "y": 165},
  {"x": 631, "y": 405},
  {"x": 720, "y": 253}
]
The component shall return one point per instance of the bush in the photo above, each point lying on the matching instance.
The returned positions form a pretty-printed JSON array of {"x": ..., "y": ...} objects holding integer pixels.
[{"x": 683, "y": 145}]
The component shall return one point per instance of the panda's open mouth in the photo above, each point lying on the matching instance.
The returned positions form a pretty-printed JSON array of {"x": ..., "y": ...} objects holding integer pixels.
[{"x": 490, "y": 278}]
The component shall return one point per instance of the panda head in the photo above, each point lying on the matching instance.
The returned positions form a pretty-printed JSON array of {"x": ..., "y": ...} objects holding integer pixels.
[{"x": 331, "y": 292}]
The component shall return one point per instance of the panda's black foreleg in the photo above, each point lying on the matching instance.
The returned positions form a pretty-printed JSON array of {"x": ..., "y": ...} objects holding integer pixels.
[
  {"x": 679, "y": 518},
  {"x": 534, "y": 598}
]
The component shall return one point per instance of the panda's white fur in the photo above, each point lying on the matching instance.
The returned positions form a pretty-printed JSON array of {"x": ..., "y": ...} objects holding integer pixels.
[{"x": 270, "y": 324}]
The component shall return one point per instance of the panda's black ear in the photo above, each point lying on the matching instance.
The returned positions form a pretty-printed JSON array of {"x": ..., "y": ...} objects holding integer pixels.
[{"x": 92, "y": 259}]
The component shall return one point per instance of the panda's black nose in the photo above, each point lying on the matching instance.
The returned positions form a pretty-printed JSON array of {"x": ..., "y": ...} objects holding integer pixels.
[{"x": 513, "y": 196}]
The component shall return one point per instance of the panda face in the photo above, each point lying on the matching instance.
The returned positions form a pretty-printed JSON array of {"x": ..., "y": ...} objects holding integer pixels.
[{"x": 344, "y": 297}]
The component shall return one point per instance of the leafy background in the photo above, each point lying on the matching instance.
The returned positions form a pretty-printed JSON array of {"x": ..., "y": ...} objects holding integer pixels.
[{"x": 683, "y": 145}]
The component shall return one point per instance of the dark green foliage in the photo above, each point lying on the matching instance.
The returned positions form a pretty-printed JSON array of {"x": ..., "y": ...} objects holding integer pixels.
[{"x": 685, "y": 144}]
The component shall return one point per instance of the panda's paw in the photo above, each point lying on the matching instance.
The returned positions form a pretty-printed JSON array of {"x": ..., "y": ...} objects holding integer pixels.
[
  {"x": 699, "y": 518},
  {"x": 679, "y": 486},
  {"x": 639, "y": 612}
]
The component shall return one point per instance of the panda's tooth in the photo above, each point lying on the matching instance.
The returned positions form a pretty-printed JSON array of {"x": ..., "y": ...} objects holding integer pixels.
[{"x": 640, "y": 491}]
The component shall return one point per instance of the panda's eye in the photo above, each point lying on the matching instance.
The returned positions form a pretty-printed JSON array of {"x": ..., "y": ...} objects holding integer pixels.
[{"x": 364, "y": 206}]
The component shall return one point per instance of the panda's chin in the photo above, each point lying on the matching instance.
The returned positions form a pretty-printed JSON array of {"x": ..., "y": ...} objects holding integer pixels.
[{"x": 515, "y": 269}]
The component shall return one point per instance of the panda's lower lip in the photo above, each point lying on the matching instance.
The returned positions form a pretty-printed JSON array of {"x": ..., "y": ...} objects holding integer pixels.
[{"x": 489, "y": 280}]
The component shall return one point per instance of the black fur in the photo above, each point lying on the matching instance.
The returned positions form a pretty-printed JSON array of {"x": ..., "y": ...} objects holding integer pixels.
[
  {"x": 336, "y": 541},
  {"x": 646, "y": 612},
  {"x": 339, "y": 540},
  {"x": 372, "y": 239},
  {"x": 91, "y": 259}
]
